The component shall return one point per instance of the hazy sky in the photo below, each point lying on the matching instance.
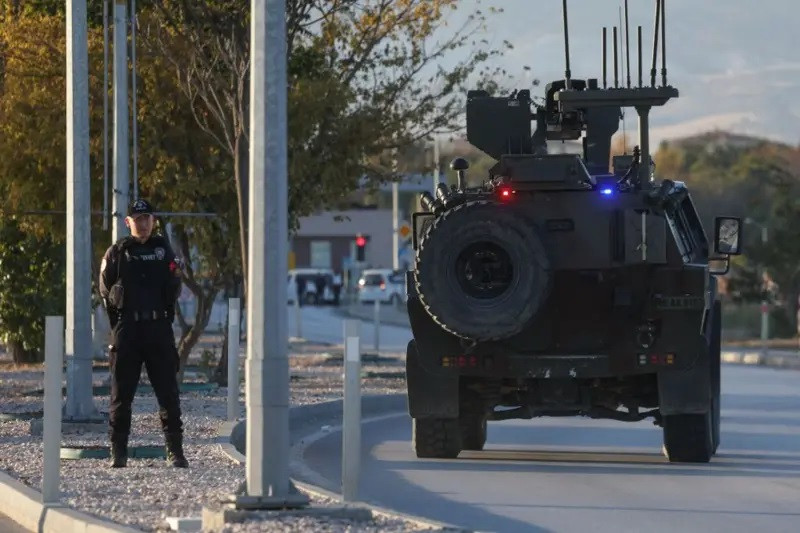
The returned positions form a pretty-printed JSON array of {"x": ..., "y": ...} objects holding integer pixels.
[{"x": 734, "y": 61}]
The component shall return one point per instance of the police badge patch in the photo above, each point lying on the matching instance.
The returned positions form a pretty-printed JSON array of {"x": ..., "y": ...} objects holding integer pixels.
[{"x": 160, "y": 252}]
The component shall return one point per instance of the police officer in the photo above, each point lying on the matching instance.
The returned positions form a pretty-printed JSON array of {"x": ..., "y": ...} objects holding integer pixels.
[{"x": 139, "y": 283}]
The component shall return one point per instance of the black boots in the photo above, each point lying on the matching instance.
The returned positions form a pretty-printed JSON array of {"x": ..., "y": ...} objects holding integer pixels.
[
  {"x": 175, "y": 455},
  {"x": 174, "y": 449},
  {"x": 119, "y": 452}
]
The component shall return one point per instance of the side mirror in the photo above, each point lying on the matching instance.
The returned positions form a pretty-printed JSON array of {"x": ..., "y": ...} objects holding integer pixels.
[
  {"x": 727, "y": 235},
  {"x": 718, "y": 266}
]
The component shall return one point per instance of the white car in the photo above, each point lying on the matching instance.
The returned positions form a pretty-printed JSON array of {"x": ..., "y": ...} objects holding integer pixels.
[{"x": 383, "y": 284}]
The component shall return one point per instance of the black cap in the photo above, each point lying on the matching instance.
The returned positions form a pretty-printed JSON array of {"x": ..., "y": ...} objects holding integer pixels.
[{"x": 140, "y": 207}]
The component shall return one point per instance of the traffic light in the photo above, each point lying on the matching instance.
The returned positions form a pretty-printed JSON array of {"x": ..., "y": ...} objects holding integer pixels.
[{"x": 361, "y": 245}]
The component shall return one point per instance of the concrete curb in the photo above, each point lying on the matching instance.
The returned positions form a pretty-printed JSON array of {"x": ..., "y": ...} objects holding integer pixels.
[
  {"x": 366, "y": 313},
  {"x": 302, "y": 420},
  {"x": 23, "y": 505},
  {"x": 757, "y": 358}
]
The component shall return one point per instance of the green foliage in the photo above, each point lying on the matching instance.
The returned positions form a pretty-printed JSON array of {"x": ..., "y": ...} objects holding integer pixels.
[
  {"x": 32, "y": 272},
  {"x": 760, "y": 182}
]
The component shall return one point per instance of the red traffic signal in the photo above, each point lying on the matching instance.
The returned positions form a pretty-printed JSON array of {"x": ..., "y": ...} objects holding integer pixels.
[{"x": 361, "y": 241}]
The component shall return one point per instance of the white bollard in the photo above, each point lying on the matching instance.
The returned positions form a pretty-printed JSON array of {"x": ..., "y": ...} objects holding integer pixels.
[
  {"x": 298, "y": 318},
  {"x": 377, "y": 317},
  {"x": 233, "y": 358},
  {"x": 351, "y": 416},
  {"x": 51, "y": 432}
]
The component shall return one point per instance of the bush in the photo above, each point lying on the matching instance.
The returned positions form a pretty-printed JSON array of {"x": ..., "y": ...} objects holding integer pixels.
[{"x": 32, "y": 274}]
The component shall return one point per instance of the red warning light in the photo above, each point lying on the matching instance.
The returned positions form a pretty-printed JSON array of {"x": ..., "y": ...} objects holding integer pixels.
[{"x": 506, "y": 193}]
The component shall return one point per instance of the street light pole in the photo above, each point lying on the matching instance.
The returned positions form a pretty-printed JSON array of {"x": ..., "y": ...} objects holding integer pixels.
[
  {"x": 267, "y": 400},
  {"x": 80, "y": 402},
  {"x": 764, "y": 301}
]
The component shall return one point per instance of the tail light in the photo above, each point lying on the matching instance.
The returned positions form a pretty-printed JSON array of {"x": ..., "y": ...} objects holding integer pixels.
[{"x": 506, "y": 193}]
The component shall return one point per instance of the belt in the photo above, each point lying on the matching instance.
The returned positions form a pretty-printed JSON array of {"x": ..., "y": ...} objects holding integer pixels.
[{"x": 141, "y": 316}]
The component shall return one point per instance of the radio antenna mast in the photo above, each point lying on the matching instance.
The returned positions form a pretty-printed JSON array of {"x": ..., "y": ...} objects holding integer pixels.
[
  {"x": 627, "y": 45},
  {"x": 655, "y": 44},
  {"x": 567, "y": 74}
]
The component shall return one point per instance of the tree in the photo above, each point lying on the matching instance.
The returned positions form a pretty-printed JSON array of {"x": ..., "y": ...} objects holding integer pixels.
[
  {"x": 358, "y": 87},
  {"x": 760, "y": 182},
  {"x": 32, "y": 272}
]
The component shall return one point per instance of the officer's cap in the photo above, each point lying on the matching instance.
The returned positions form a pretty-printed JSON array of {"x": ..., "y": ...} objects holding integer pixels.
[{"x": 140, "y": 207}]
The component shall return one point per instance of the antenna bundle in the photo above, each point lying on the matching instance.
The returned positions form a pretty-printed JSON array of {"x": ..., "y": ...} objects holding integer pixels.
[{"x": 659, "y": 25}]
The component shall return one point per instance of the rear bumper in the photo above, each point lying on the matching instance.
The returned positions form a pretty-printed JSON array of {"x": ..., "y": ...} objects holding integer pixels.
[{"x": 539, "y": 366}]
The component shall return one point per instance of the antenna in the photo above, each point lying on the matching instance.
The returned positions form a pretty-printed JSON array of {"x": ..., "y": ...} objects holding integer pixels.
[
  {"x": 616, "y": 77},
  {"x": 605, "y": 58},
  {"x": 664, "y": 42},
  {"x": 655, "y": 45},
  {"x": 627, "y": 45},
  {"x": 640, "y": 56},
  {"x": 566, "y": 45}
]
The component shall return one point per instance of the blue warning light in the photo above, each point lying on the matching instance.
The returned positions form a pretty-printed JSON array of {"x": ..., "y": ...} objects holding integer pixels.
[{"x": 607, "y": 191}]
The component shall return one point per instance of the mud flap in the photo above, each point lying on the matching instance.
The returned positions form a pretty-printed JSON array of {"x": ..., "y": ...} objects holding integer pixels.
[
  {"x": 429, "y": 395},
  {"x": 688, "y": 390}
]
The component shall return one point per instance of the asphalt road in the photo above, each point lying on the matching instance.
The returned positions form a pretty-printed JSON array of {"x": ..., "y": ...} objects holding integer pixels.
[
  {"x": 569, "y": 474},
  {"x": 324, "y": 324}
]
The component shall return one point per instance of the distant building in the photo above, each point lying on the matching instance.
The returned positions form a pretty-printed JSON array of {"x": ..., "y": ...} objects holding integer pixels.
[{"x": 328, "y": 239}]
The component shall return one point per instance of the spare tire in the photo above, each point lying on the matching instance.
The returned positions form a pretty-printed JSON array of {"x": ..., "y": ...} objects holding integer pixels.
[{"x": 482, "y": 272}]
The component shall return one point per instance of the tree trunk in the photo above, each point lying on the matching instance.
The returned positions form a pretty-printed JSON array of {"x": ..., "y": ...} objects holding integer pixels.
[
  {"x": 202, "y": 314},
  {"x": 240, "y": 172},
  {"x": 220, "y": 376},
  {"x": 22, "y": 356}
]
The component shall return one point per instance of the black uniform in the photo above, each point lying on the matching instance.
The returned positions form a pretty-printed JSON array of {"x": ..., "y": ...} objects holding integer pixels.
[{"x": 142, "y": 333}]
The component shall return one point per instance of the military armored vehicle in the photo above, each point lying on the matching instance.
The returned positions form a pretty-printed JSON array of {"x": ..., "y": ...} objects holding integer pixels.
[{"x": 565, "y": 284}]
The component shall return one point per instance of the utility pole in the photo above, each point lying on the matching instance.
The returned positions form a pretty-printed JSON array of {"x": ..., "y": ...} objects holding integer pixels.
[
  {"x": 267, "y": 369},
  {"x": 436, "y": 175},
  {"x": 80, "y": 403},
  {"x": 119, "y": 204},
  {"x": 764, "y": 299},
  {"x": 395, "y": 216}
]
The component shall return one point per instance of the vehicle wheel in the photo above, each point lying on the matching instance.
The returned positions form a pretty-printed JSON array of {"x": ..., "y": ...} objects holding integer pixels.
[
  {"x": 715, "y": 348},
  {"x": 438, "y": 438},
  {"x": 473, "y": 432},
  {"x": 482, "y": 272},
  {"x": 688, "y": 438}
]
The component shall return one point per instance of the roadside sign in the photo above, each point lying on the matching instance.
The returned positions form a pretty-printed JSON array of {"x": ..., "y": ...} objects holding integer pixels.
[{"x": 404, "y": 231}]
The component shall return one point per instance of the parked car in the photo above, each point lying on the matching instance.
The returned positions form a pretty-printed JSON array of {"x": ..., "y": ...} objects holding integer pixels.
[{"x": 382, "y": 284}]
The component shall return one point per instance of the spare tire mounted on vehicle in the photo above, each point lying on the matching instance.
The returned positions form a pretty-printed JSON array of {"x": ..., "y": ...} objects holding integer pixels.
[{"x": 482, "y": 272}]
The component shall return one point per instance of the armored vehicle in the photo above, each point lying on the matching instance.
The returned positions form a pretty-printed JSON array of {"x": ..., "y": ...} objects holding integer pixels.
[{"x": 565, "y": 284}]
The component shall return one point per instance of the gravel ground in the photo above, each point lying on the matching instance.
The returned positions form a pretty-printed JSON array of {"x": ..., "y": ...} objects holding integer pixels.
[{"x": 148, "y": 491}]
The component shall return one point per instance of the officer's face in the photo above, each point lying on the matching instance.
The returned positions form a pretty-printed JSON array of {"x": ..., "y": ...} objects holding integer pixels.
[{"x": 141, "y": 226}]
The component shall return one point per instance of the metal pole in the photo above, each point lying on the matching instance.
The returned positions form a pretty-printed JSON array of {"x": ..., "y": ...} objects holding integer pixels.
[
  {"x": 51, "y": 433},
  {"x": 121, "y": 152},
  {"x": 395, "y": 226},
  {"x": 133, "y": 103},
  {"x": 351, "y": 416},
  {"x": 233, "y": 358},
  {"x": 79, "y": 403},
  {"x": 644, "y": 143},
  {"x": 298, "y": 317},
  {"x": 764, "y": 301},
  {"x": 267, "y": 466},
  {"x": 377, "y": 320},
  {"x": 105, "y": 114},
  {"x": 436, "y": 173}
]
